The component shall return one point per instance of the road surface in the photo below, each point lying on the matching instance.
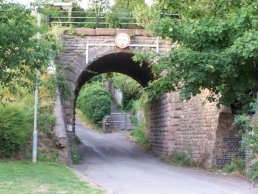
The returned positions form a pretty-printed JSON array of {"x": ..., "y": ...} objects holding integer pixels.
[{"x": 114, "y": 162}]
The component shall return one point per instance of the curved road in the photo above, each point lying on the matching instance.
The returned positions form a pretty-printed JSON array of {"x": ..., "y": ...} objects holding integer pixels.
[{"x": 114, "y": 162}]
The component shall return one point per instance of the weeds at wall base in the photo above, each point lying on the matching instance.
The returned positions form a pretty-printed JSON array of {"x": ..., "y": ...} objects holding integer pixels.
[
  {"x": 75, "y": 156},
  {"x": 179, "y": 159}
]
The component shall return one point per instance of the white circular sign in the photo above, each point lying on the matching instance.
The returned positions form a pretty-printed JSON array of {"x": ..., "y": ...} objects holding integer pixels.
[{"x": 122, "y": 40}]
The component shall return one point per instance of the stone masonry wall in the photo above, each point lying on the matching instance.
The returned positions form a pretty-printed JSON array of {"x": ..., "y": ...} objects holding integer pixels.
[
  {"x": 196, "y": 128},
  {"x": 189, "y": 127}
]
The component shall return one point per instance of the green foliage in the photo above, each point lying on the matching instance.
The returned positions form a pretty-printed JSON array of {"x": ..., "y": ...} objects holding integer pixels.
[
  {"x": 249, "y": 141},
  {"x": 253, "y": 172},
  {"x": 131, "y": 89},
  {"x": 91, "y": 17},
  {"x": 87, "y": 121},
  {"x": 22, "y": 103},
  {"x": 179, "y": 158},
  {"x": 118, "y": 14},
  {"x": 46, "y": 122},
  {"x": 237, "y": 165},
  {"x": 95, "y": 102},
  {"x": 140, "y": 110},
  {"x": 62, "y": 84},
  {"x": 141, "y": 139},
  {"x": 75, "y": 156},
  {"x": 19, "y": 54},
  {"x": 131, "y": 4},
  {"x": 218, "y": 49},
  {"x": 121, "y": 14},
  {"x": 15, "y": 130},
  {"x": 250, "y": 133}
]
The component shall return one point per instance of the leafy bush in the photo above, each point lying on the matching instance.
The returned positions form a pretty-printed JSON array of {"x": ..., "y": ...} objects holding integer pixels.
[
  {"x": 253, "y": 172},
  {"x": 121, "y": 14},
  {"x": 62, "y": 83},
  {"x": 46, "y": 122},
  {"x": 116, "y": 13},
  {"x": 95, "y": 102},
  {"x": 131, "y": 89},
  {"x": 15, "y": 130},
  {"x": 237, "y": 164}
]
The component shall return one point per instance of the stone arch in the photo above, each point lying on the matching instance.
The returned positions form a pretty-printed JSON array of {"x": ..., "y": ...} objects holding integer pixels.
[{"x": 121, "y": 62}]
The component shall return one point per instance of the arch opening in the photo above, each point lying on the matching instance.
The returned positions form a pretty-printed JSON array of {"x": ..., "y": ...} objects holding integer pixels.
[
  {"x": 116, "y": 62},
  {"x": 119, "y": 63}
]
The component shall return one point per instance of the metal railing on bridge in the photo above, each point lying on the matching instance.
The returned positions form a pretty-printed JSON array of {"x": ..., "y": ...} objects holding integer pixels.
[{"x": 91, "y": 19}]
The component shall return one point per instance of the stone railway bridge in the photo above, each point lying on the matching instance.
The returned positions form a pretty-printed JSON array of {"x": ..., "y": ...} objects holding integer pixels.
[{"x": 204, "y": 132}]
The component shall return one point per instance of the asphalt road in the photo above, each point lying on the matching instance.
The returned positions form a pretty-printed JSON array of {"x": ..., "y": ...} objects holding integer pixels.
[{"x": 114, "y": 162}]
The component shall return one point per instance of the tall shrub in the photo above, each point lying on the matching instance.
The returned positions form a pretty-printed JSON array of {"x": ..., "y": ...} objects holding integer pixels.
[
  {"x": 131, "y": 89},
  {"x": 15, "y": 130},
  {"x": 95, "y": 102}
]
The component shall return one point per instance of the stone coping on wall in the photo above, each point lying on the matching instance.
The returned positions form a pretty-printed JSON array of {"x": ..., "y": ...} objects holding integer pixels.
[{"x": 110, "y": 32}]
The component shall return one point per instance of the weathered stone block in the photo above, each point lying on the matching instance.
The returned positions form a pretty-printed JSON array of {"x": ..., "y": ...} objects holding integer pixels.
[{"x": 105, "y": 32}]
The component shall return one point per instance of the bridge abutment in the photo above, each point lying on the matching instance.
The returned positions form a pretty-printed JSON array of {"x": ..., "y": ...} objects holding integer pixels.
[
  {"x": 198, "y": 129},
  {"x": 195, "y": 127}
]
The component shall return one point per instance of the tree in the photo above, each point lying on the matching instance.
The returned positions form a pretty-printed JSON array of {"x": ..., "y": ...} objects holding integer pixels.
[
  {"x": 131, "y": 4},
  {"x": 218, "y": 49},
  {"x": 19, "y": 54},
  {"x": 98, "y": 6}
]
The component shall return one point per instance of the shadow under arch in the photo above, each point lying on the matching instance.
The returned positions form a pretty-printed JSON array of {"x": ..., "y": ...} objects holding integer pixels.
[{"x": 116, "y": 62}]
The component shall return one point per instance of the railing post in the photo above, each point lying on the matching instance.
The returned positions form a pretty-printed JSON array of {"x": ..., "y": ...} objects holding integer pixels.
[{"x": 97, "y": 20}]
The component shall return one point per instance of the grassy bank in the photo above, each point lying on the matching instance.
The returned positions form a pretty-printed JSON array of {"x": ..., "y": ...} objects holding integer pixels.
[
  {"x": 86, "y": 122},
  {"x": 140, "y": 138},
  {"x": 51, "y": 178}
]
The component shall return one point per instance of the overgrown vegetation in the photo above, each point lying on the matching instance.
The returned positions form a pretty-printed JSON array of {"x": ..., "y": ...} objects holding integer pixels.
[
  {"x": 19, "y": 55},
  {"x": 75, "y": 155},
  {"x": 236, "y": 165},
  {"x": 16, "y": 124},
  {"x": 217, "y": 46},
  {"x": 95, "y": 102},
  {"x": 121, "y": 14},
  {"x": 131, "y": 89},
  {"x": 86, "y": 121},
  {"x": 253, "y": 172},
  {"x": 140, "y": 137},
  {"x": 15, "y": 130},
  {"x": 24, "y": 177},
  {"x": 249, "y": 127},
  {"x": 63, "y": 86},
  {"x": 178, "y": 158},
  {"x": 139, "y": 110}
]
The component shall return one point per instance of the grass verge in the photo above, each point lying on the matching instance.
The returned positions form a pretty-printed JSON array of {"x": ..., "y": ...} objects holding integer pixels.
[
  {"x": 18, "y": 177},
  {"x": 86, "y": 122},
  {"x": 140, "y": 138}
]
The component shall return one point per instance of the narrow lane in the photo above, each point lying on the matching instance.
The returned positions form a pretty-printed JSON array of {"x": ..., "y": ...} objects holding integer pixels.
[{"x": 116, "y": 163}]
